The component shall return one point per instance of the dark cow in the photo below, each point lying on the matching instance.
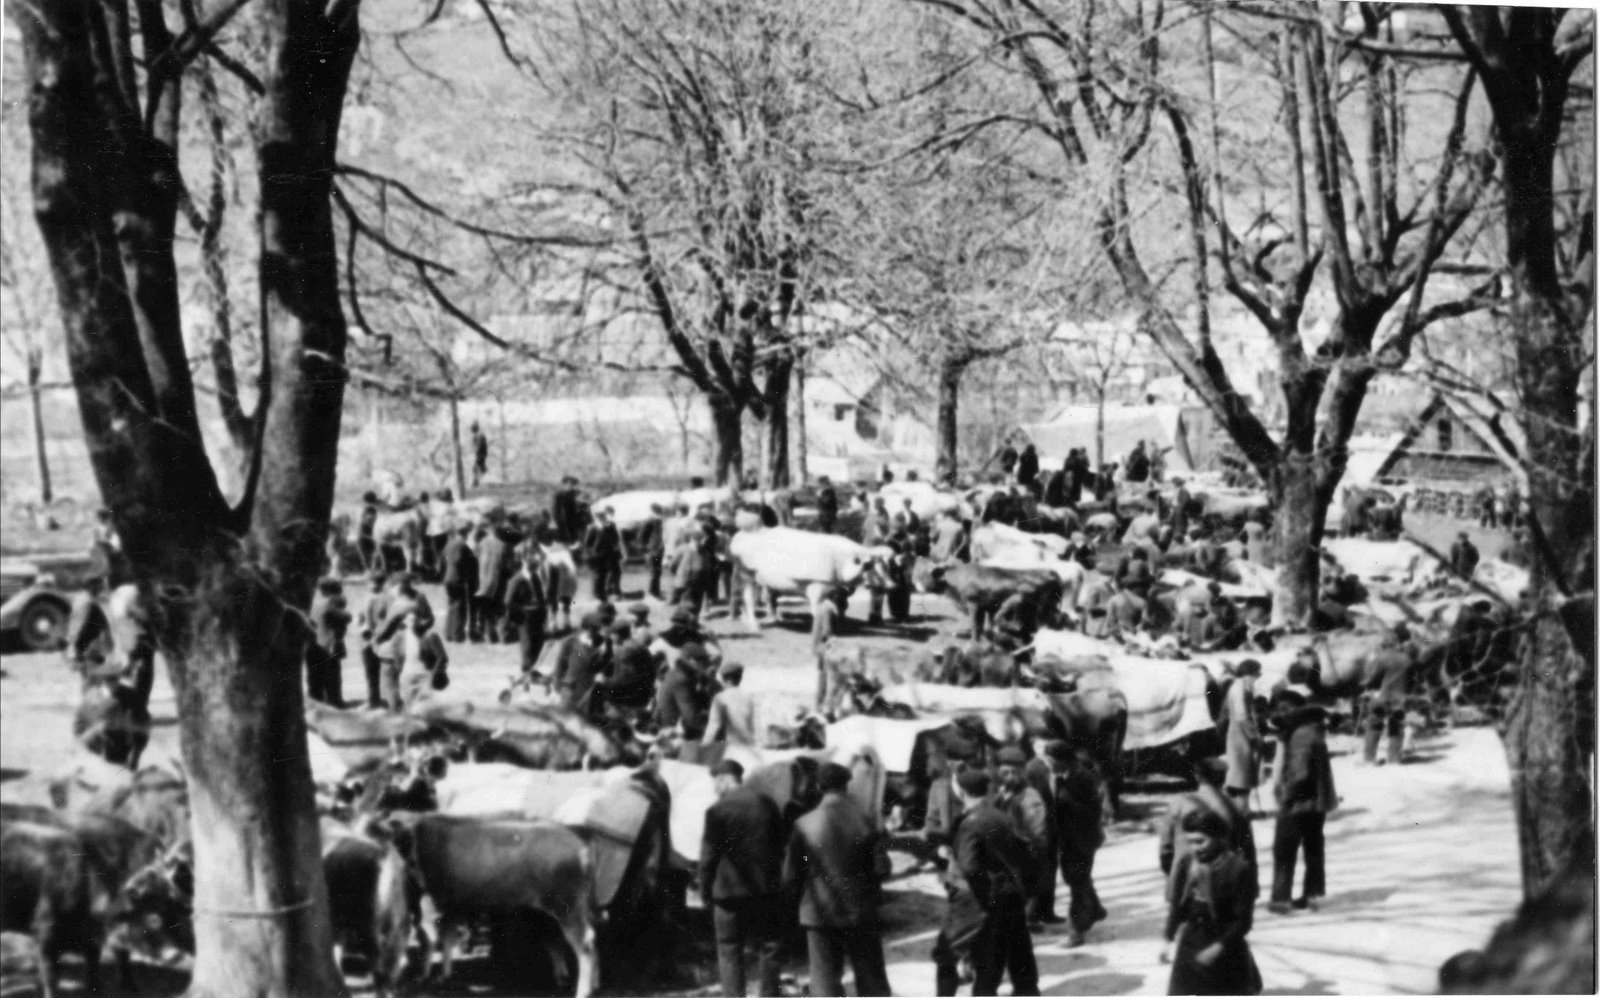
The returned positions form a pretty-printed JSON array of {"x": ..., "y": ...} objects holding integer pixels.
[
  {"x": 980, "y": 590},
  {"x": 61, "y": 882},
  {"x": 506, "y": 869},
  {"x": 370, "y": 902},
  {"x": 539, "y": 737}
]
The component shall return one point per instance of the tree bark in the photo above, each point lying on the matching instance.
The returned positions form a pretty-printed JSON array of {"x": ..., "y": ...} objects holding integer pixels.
[
  {"x": 457, "y": 464},
  {"x": 947, "y": 464},
  {"x": 800, "y": 453},
  {"x": 727, "y": 426},
  {"x": 775, "y": 444},
  {"x": 1299, "y": 527},
  {"x": 36, "y": 412}
]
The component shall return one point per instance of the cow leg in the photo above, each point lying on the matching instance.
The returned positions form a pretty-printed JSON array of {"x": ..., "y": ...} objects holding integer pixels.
[
  {"x": 448, "y": 927},
  {"x": 580, "y": 935},
  {"x": 749, "y": 603}
]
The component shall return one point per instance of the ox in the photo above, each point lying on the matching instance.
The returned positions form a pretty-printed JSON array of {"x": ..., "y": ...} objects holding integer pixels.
[
  {"x": 504, "y": 870},
  {"x": 784, "y": 560},
  {"x": 369, "y": 902},
  {"x": 980, "y": 591},
  {"x": 539, "y": 737}
]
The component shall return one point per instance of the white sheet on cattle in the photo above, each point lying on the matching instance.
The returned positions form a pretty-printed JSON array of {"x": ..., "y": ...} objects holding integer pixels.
[
  {"x": 1392, "y": 562},
  {"x": 997, "y": 540},
  {"x": 1166, "y": 700},
  {"x": 1502, "y": 577},
  {"x": 1180, "y": 579},
  {"x": 693, "y": 792},
  {"x": 858, "y": 755},
  {"x": 939, "y": 698},
  {"x": 326, "y": 765},
  {"x": 893, "y": 739},
  {"x": 632, "y": 508},
  {"x": 1070, "y": 645}
]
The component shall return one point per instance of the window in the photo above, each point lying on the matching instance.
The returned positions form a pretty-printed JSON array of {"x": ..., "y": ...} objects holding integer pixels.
[{"x": 1447, "y": 435}]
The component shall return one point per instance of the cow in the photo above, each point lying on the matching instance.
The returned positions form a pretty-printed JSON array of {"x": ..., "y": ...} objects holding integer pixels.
[
  {"x": 401, "y": 531},
  {"x": 370, "y": 902},
  {"x": 784, "y": 560},
  {"x": 537, "y": 736},
  {"x": 980, "y": 591},
  {"x": 61, "y": 882},
  {"x": 363, "y": 738},
  {"x": 559, "y": 573},
  {"x": 505, "y": 870}
]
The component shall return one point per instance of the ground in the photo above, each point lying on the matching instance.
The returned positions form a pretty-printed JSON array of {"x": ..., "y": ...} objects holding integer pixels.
[{"x": 1422, "y": 859}]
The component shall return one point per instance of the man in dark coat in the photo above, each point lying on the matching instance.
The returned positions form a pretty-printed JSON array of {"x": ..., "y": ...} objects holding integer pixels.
[
  {"x": 1077, "y": 469},
  {"x": 1080, "y": 835},
  {"x": 654, "y": 542},
  {"x": 1042, "y": 906},
  {"x": 631, "y": 682},
  {"x": 528, "y": 607},
  {"x": 741, "y": 879},
  {"x": 1180, "y": 510},
  {"x": 1138, "y": 470},
  {"x": 494, "y": 565},
  {"x": 325, "y": 652},
  {"x": 827, "y": 505},
  {"x": 480, "y": 454},
  {"x": 460, "y": 583},
  {"x": 988, "y": 883},
  {"x": 603, "y": 546},
  {"x": 88, "y": 629},
  {"x": 566, "y": 512},
  {"x": 581, "y": 659},
  {"x": 1303, "y": 786},
  {"x": 681, "y": 698},
  {"x": 835, "y": 861},
  {"x": 1464, "y": 556},
  {"x": 1028, "y": 466},
  {"x": 1030, "y": 812}
]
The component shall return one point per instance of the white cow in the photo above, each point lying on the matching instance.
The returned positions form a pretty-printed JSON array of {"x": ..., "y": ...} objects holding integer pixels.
[
  {"x": 1394, "y": 563},
  {"x": 997, "y": 540},
  {"x": 784, "y": 560},
  {"x": 927, "y": 499}
]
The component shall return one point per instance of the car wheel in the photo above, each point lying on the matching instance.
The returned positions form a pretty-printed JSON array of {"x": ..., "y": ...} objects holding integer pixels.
[{"x": 43, "y": 625}]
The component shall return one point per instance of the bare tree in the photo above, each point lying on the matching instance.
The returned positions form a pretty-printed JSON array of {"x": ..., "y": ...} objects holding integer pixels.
[{"x": 227, "y": 582}]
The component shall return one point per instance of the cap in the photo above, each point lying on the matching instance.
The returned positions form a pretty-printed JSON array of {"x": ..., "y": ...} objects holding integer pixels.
[
  {"x": 1058, "y": 750},
  {"x": 683, "y": 615},
  {"x": 1011, "y": 756},
  {"x": 639, "y": 610},
  {"x": 591, "y": 621},
  {"x": 973, "y": 782},
  {"x": 1249, "y": 667},
  {"x": 731, "y": 670},
  {"x": 728, "y": 767}
]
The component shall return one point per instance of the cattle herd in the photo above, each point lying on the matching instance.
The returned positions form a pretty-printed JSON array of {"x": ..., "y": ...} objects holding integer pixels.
[{"x": 527, "y": 818}]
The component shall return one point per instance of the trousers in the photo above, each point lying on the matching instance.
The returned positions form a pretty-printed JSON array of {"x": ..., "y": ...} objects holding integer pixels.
[
  {"x": 1000, "y": 947},
  {"x": 1382, "y": 721},
  {"x": 828, "y": 949},
  {"x": 755, "y": 922},
  {"x": 457, "y": 614},
  {"x": 1077, "y": 870},
  {"x": 1298, "y": 831},
  {"x": 324, "y": 676},
  {"x": 607, "y": 578}
]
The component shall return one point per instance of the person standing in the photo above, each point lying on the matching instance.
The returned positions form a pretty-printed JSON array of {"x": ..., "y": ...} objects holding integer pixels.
[
  {"x": 824, "y": 624},
  {"x": 1009, "y": 458},
  {"x": 1209, "y": 775},
  {"x": 1464, "y": 556},
  {"x": 1243, "y": 740},
  {"x": 1303, "y": 786},
  {"x": 1019, "y": 799},
  {"x": 480, "y": 455},
  {"x": 733, "y": 711},
  {"x": 494, "y": 562},
  {"x": 603, "y": 547},
  {"x": 835, "y": 863},
  {"x": 566, "y": 511},
  {"x": 827, "y": 505},
  {"x": 631, "y": 682},
  {"x": 421, "y": 661},
  {"x": 741, "y": 880},
  {"x": 655, "y": 546},
  {"x": 1027, "y": 466},
  {"x": 88, "y": 629},
  {"x": 373, "y": 618},
  {"x": 528, "y": 607},
  {"x": 404, "y": 603},
  {"x": 581, "y": 659},
  {"x": 1393, "y": 661},
  {"x": 1080, "y": 831},
  {"x": 988, "y": 881},
  {"x": 1138, "y": 470},
  {"x": 460, "y": 584},
  {"x": 325, "y": 652},
  {"x": 1213, "y": 908},
  {"x": 1181, "y": 501},
  {"x": 681, "y": 700}
]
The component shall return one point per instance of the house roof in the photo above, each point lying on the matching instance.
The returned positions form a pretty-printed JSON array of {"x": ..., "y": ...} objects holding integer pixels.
[{"x": 1482, "y": 417}]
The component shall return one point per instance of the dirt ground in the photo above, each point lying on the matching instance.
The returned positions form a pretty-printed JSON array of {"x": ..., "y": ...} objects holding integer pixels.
[{"x": 1421, "y": 858}]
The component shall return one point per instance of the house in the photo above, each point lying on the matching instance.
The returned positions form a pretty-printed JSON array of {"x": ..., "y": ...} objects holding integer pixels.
[{"x": 1454, "y": 439}]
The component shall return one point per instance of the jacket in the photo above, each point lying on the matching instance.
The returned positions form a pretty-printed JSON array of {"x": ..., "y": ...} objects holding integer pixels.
[
  {"x": 742, "y": 850},
  {"x": 833, "y": 864},
  {"x": 1079, "y": 825},
  {"x": 678, "y": 701},
  {"x": 329, "y": 620},
  {"x": 460, "y": 565},
  {"x": 524, "y": 595},
  {"x": 1306, "y": 784},
  {"x": 992, "y": 858},
  {"x": 577, "y": 664},
  {"x": 1174, "y": 846},
  {"x": 632, "y": 680},
  {"x": 493, "y": 559},
  {"x": 604, "y": 543}
]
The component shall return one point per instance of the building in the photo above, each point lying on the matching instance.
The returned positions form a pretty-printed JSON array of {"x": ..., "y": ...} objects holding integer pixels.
[{"x": 1454, "y": 440}]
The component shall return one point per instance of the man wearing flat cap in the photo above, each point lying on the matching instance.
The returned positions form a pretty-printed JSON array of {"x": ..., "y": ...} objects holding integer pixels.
[
  {"x": 681, "y": 700},
  {"x": 835, "y": 861},
  {"x": 639, "y": 620},
  {"x": 1076, "y": 798},
  {"x": 988, "y": 885},
  {"x": 1027, "y": 809},
  {"x": 1242, "y": 745},
  {"x": 741, "y": 880},
  {"x": 582, "y": 658}
]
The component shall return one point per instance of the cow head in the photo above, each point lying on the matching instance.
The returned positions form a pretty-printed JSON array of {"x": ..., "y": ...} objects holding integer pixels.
[
  {"x": 927, "y": 576},
  {"x": 156, "y": 906}
]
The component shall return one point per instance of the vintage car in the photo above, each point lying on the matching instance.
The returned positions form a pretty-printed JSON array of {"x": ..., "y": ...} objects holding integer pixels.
[{"x": 35, "y": 598}]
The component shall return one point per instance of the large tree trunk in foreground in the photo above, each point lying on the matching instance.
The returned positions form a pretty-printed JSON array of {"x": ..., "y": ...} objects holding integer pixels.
[
  {"x": 727, "y": 428},
  {"x": 948, "y": 430},
  {"x": 1299, "y": 526}
]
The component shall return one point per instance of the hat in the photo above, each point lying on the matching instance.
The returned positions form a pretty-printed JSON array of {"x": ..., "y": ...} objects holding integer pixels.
[
  {"x": 694, "y": 651},
  {"x": 639, "y": 610},
  {"x": 731, "y": 670},
  {"x": 833, "y": 776},
  {"x": 621, "y": 628},
  {"x": 1249, "y": 667},
  {"x": 1058, "y": 750},
  {"x": 728, "y": 767},
  {"x": 591, "y": 621},
  {"x": 974, "y": 782},
  {"x": 607, "y": 611},
  {"x": 1011, "y": 756},
  {"x": 683, "y": 615}
]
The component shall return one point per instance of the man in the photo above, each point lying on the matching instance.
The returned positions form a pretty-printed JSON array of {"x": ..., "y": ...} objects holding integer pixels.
[
  {"x": 1181, "y": 501},
  {"x": 733, "y": 711},
  {"x": 1386, "y": 698},
  {"x": 421, "y": 661},
  {"x": 1303, "y": 786},
  {"x": 528, "y": 607},
  {"x": 1080, "y": 832},
  {"x": 1027, "y": 809},
  {"x": 494, "y": 565},
  {"x": 1224, "y": 629},
  {"x": 827, "y": 505},
  {"x": 834, "y": 862},
  {"x": 88, "y": 631},
  {"x": 681, "y": 700},
  {"x": 1042, "y": 905},
  {"x": 741, "y": 880},
  {"x": 480, "y": 455},
  {"x": 404, "y": 601},
  {"x": 1027, "y": 466},
  {"x": 1464, "y": 556},
  {"x": 629, "y": 685},
  {"x": 603, "y": 546},
  {"x": 1125, "y": 613},
  {"x": 654, "y": 542},
  {"x": 581, "y": 659},
  {"x": 373, "y": 618},
  {"x": 1076, "y": 467},
  {"x": 1242, "y": 742},
  {"x": 1138, "y": 470},
  {"x": 460, "y": 583},
  {"x": 987, "y": 882},
  {"x": 639, "y": 622},
  {"x": 823, "y": 627},
  {"x": 566, "y": 511},
  {"x": 1209, "y": 775},
  {"x": 325, "y": 652}
]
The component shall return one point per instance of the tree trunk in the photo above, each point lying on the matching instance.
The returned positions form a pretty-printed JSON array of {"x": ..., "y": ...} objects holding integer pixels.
[
  {"x": 36, "y": 411},
  {"x": 727, "y": 425},
  {"x": 1100, "y": 433},
  {"x": 947, "y": 464},
  {"x": 800, "y": 471},
  {"x": 457, "y": 464},
  {"x": 1299, "y": 526}
]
